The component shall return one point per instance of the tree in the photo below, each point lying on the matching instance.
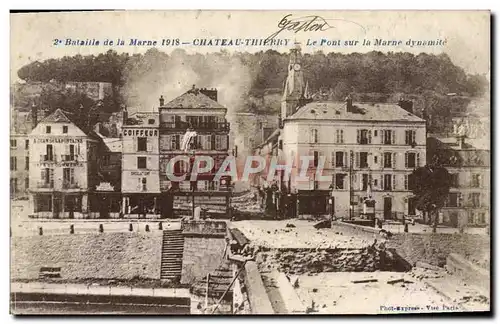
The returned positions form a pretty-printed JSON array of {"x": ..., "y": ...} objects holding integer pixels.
[{"x": 431, "y": 187}]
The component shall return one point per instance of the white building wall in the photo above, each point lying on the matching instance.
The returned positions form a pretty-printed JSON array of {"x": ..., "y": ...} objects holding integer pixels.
[
  {"x": 303, "y": 137},
  {"x": 39, "y": 139}
]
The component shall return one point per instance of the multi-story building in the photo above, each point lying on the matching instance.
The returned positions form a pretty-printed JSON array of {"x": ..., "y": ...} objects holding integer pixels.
[
  {"x": 468, "y": 203},
  {"x": 366, "y": 150},
  {"x": 199, "y": 111},
  {"x": 106, "y": 200},
  {"x": 62, "y": 166},
  {"x": 21, "y": 125},
  {"x": 19, "y": 165},
  {"x": 140, "y": 180}
]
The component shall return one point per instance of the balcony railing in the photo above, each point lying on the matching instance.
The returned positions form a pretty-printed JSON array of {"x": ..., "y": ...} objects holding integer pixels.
[
  {"x": 47, "y": 158},
  {"x": 46, "y": 185},
  {"x": 69, "y": 158},
  {"x": 200, "y": 126},
  {"x": 70, "y": 185}
]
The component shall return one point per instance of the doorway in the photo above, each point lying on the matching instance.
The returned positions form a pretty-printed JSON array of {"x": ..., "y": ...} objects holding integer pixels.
[
  {"x": 167, "y": 205},
  {"x": 411, "y": 206},
  {"x": 454, "y": 219},
  {"x": 57, "y": 207},
  {"x": 104, "y": 208},
  {"x": 387, "y": 208}
]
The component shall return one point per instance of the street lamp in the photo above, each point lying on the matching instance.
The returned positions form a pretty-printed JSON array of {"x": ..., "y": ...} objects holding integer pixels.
[
  {"x": 193, "y": 183},
  {"x": 330, "y": 199}
]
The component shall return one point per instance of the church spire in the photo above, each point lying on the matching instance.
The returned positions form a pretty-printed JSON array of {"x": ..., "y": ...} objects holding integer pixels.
[{"x": 295, "y": 87}]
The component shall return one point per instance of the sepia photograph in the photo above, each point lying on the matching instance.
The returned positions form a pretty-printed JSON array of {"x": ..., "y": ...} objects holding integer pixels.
[{"x": 250, "y": 162}]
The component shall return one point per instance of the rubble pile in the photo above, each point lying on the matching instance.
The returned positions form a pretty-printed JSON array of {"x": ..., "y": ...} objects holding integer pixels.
[
  {"x": 422, "y": 273},
  {"x": 309, "y": 261},
  {"x": 482, "y": 261},
  {"x": 249, "y": 251},
  {"x": 246, "y": 206}
]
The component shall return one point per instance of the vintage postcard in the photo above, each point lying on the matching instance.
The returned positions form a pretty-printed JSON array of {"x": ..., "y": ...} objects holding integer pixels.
[{"x": 250, "y": 162}]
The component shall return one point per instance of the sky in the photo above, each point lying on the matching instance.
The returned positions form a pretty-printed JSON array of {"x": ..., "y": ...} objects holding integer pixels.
[{"x": 466, "y": 34}]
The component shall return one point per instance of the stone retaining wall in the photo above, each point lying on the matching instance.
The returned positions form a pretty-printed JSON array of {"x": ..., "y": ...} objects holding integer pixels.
[
  {"x": 435, "y": 248},
  {"x": 104, "y": 255},
  {"x": 300, "y": 261},
  {"x": 201, "y": 256},
  {"x": 432, "y": 248}
]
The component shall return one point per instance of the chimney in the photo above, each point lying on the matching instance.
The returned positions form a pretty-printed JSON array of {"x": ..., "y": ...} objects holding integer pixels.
[
  {"x": 162, "y": 101},
  {"x": 211, "y": 93},
  {"x": 124, "y": 115},
  {"x": 194, "y": 90},
  {"x": 460, "y": 141},
  {"x": 348, "y": 103},
  {"x": 34, "y": 115},
  {"x": 406, "y": 105}
]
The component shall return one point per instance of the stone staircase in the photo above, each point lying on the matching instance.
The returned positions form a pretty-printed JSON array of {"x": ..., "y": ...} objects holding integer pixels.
[
  {"x": 220, "y": 279},
  {"x": 171, "y": 255}
]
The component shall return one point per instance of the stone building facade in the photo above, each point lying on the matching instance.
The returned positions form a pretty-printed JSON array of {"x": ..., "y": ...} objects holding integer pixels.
[
  {"x": 62, "y": 166},
  {"x": 140, "y": 179},
  {"x": 468, "y": 203},
  {"x": 366, "y": 150},
  {"x": 198, "y": 111}
]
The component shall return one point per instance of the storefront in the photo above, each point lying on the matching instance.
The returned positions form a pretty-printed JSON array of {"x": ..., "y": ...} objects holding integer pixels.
[
  {"x": 313, "y": 202},
  {"x": 141, "y": 205},
  {"x": 60, "y": 205},
  {"x": 105, "y": 202}
]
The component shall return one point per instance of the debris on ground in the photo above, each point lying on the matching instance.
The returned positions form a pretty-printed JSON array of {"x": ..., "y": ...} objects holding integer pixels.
[
  {"x": 311, "y": 308},
  {"x": 394, "y": 281},
  {"x": 247, "y": 206},
  {"x": 290, "y": 225},
  {"x": 385, "y": 234},
  {"x": 364, "y": 281},
  {"x": 295, "y": 282},
  {"x": 422, "y": 273},
  {"x": 323, "y": 224},
  {"x": 427, "y": 266},
  {"x": 477, "y": 299}
]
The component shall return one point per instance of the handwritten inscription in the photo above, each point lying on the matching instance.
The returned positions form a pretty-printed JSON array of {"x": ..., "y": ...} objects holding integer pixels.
[{"x": 308, "y": 24}]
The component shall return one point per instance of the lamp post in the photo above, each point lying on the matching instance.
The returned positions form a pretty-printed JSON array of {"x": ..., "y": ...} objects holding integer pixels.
[
  {"x": 330, "y": 199},
  {"x": 189, "y": 142},
  {"x": 193, "y": 183}
]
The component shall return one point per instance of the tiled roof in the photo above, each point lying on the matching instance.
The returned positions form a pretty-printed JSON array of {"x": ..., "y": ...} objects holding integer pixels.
[
  {"x": 57, "y": 116},
  {"x": 469, "y": 143},
  {"x": 193, "y": 99},
  {"x": 113, "y": 144},
  {"x": 61, "y": 116},
  {"x": 361, "y": 111}
]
